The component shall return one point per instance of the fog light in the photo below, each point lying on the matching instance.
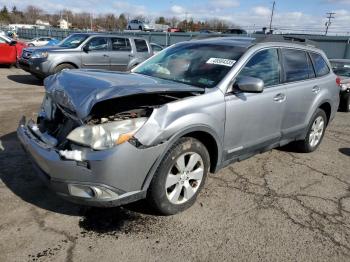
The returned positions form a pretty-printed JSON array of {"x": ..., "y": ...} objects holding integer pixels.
[{"x": 93, "y": 192}]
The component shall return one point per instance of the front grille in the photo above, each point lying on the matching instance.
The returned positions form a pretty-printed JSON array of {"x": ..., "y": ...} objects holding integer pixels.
[{"x": 26, "y": 54}]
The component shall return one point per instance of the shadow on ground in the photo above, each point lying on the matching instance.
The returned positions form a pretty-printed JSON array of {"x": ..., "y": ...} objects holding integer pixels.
[
  {"x": 18, "y": 175},
  {"x": 25, "y": 79},
  {"x": 345, "y": 151}
]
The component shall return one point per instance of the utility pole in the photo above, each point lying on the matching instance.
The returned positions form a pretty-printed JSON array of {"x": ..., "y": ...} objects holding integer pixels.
[
  {"x": 272, "y": 12},
  {"x": 91, "y": 22},
  {"x": 328, "y": 24}
]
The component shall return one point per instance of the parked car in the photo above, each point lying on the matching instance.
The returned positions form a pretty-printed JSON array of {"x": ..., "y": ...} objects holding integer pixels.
[
  {"x": 53, "y": 42},
  {"x": 106, "y": 138},
  {"x": 139, "y": 25},
  {"x": 175, "y": 30},
  {"x": 341, "y": 67},
  {"x": 10, "y": 50},
  {"x": 156, "y": 48},
  {"x": 236, "y": 31},
  {"x": 86, "y": 50},
  {"x": 39, "y": 41}
]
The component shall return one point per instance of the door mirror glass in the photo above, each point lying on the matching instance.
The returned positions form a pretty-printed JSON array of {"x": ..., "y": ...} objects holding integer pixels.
[{"x": 249, "y": 84}]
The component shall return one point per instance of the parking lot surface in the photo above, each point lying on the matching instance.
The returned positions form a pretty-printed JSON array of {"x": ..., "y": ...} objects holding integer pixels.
[{"x": 277, "y": 206}]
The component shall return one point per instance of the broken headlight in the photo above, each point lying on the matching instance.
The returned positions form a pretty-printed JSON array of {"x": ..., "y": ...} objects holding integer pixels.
[{"x": 104, "y": 136}]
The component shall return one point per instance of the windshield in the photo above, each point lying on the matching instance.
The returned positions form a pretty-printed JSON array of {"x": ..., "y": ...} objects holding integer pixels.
[
  {"x": 203, "y": 65},
  {"x": 341, "y": 69},
  {"x": 73, "y": 41}
]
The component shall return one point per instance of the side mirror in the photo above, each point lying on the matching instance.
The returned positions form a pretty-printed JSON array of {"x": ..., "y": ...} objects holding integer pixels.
[
  {"x": 249, "y": 84},
  {"x": 13, "y": 42},
  {"x": 86, "y": 49}
]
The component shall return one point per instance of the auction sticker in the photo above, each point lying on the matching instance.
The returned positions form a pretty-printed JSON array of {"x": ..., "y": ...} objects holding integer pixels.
[{"x": 221, "y": 61}]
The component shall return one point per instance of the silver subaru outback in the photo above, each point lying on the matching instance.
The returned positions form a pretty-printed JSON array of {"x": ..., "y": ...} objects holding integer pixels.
[{"x": 110, "y": 138}]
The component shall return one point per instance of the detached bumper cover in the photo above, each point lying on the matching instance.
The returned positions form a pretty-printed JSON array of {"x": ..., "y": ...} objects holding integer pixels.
[{"x": 122, "y": 169}]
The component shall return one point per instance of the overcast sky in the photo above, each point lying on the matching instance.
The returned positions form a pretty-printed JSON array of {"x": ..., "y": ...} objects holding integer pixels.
[{"x": 305, "y": 14}]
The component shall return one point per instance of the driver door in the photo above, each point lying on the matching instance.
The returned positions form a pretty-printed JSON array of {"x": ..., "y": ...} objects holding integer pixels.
[
  {"x": 95, "y": 54},
  {"x": 254, "y": 120}
]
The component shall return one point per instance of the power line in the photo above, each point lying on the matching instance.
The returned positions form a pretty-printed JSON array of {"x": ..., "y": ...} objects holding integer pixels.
[{"x": 330, "y": 17}]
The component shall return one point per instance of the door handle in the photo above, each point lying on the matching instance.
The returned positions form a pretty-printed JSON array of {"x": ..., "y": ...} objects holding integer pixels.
[
  {"x": 316, "y": 89},
  {"x": 106, "y": 55},
  {"x": 131, "y": 55},
  {"x": 280, "y": 98}
]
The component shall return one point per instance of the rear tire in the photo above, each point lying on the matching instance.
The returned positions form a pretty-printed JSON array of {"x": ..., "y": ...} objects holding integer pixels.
[
  {"x": 60, "y": 67},
  {"x": 180, "y": 177},
  {"x": 316, "y": 130}
]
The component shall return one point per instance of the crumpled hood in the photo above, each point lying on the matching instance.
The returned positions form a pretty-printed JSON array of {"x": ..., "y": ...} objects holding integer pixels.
[{"x": 79, "y": 90}]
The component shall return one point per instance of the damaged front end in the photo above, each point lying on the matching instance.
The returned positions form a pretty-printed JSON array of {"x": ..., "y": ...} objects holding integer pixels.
[{"x": 89, "y": 154}]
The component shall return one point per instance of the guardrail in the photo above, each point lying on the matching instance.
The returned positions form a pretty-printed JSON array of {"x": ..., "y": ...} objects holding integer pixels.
[{"x": 334, "y": 46}]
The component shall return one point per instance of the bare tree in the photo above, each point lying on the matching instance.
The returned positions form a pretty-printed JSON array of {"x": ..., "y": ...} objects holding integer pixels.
[{"x": 32, "y": 13}]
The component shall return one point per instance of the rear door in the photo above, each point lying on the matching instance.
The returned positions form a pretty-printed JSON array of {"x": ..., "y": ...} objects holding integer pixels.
[
  {"x": 142, "y": 49},
  {"x": 253, "y": 120},
  {"x": 7, "y": 52},
  {"x": 302, "y": 88},
  {"x": 96, "y": 54},
  {"x": 120, "y": 53}
]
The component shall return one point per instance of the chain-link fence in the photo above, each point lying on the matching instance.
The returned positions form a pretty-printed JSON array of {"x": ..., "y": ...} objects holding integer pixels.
[{"x": 334, "y": 46}]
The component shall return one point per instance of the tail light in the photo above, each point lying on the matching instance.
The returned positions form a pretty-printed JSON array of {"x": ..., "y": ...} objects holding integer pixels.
[{"x": 338, "y": 80}]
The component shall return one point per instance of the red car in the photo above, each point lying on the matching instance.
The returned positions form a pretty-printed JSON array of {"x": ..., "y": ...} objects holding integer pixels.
[{"x": 10, "y": 50}]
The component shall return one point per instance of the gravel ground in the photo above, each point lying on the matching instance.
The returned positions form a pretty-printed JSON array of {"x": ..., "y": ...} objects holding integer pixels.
[{"x": 277, "y": 206}]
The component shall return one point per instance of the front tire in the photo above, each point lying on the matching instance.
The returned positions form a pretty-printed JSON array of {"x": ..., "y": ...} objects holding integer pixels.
[
  {"x": 315, "y": 133},
  {"x": 180, "y": 177},
  {"x": 346, "y": 103}
]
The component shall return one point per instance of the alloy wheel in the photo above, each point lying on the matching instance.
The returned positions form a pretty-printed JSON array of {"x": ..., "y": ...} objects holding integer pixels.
[
  {"x": 317, "y": 130},
  {"x": 184, "y": 178}
]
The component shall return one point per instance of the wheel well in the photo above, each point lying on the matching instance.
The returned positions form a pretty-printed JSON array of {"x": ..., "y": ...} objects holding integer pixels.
[
  {"x": 326, "y": 107},
  {"x": 210, "y": 143},
  {"x": 69, "y": 63}
]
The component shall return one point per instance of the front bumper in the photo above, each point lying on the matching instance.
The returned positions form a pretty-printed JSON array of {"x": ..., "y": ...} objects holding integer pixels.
[
  {"x": 39, "y": 67},
  {"x": 121, "y": 170}
]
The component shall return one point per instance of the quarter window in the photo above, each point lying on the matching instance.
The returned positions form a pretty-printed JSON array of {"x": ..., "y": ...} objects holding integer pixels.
[
  {"x": 263, "y": 65},
  {"x": 296, "y": 65},
  {"x": 98, "y": 44},
  {"x": 141, "y": 45},
  {"x": 320, "y": 64},
  {"x": 120, "y": 44}
]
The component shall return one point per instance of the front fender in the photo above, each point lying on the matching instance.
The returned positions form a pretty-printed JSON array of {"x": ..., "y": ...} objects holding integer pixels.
[{"x": 206, "y": 110}]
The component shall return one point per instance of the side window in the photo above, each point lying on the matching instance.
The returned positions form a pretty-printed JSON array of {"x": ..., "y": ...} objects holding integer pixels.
[
  {"x": 296, "y": 65},
  {"x": 263, "y": 65},
  {"x": 120, "y": 44},
  {"x": 141, "y": 45},
  {"x": 2, "y": 41},
  {"x": 98, "y": 44},
  {"x": 320, "y": 65}
]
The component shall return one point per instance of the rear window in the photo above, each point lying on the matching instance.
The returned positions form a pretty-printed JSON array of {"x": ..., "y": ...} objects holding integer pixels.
[
  {"x": 141, "y": 45},
  {"x": 296, "y": 65},
  {"x": 320, "y": 64}
]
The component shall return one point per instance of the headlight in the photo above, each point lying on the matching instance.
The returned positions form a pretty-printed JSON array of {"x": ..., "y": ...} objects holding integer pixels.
[
  {"x": 104, "y": 136},
  {"x": 40, "y": 55}
]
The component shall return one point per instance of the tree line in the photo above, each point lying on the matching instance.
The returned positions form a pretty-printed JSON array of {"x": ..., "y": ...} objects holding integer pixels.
[{"x": 108, "y": 21}]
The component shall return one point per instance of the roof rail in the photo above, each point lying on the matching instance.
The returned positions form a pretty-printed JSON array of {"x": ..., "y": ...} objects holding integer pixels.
[{"x": 285, "y": 38}]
